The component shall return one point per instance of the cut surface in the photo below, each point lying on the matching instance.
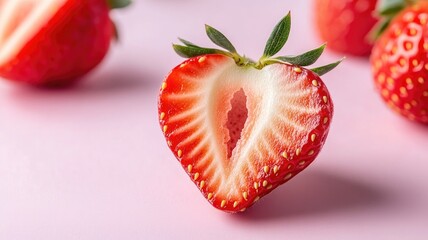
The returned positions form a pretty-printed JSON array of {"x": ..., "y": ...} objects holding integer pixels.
[
  {"x": 240, "y": 132},
  {"x": 21, "y": 20}
]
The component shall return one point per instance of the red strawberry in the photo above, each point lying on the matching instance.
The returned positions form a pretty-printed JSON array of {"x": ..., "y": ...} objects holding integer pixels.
[
  {"x": 53, "y": 42},
  {"x": 240, "y": 128},
  {"x": 346, "y": 24},
  {"x": 400, "y": 63}
]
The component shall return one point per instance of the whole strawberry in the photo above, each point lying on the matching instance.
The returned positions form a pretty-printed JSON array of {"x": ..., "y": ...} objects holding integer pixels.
[
  {"x": 51, "y": 43},
  {"x": 345, "y": 24},
  {"x": 399, "y": 60},
  {"x": 241, "y": 128}
]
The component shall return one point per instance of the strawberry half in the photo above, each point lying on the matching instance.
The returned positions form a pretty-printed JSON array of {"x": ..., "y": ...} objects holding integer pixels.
[
  {"x": 54, "y": 42},
  {"x": 241, "y": 128},
  {"x": 399, "y": 59}
]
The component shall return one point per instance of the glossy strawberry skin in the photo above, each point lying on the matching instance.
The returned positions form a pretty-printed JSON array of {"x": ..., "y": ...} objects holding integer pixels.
[
  {"x": 273, "y": 171},
  {"x": 344, "y": 25},
  {"x": 71, "y": 44},
  {"x": 400, "y": 63}
]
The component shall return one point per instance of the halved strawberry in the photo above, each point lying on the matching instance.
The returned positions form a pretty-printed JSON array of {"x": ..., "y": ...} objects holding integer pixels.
[
  {"x": 54, "y": 42},
  {"x": 240, "y": 128}
]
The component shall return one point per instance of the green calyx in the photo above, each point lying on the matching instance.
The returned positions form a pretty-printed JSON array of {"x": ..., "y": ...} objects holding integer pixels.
[
  {"x": 275, "y": 43},
  {"x": 387, "y": 10},
  {"x": 115, "y": 4}
]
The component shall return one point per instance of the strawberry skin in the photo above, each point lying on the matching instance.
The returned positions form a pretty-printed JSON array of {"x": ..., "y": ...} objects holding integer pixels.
[
  {"x": 240, "y": 132},
  {"x": 400, "y": 63},
  {"x": 345, "y": 24},
  {"x": 68, "y": 45}
]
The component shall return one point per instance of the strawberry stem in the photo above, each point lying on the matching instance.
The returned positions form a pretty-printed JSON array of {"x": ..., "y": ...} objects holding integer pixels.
[{"x": 275, "y": 43}]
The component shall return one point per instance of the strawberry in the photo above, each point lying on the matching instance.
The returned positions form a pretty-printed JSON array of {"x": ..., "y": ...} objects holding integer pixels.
[
  {"x": 399, "y": 60},
  {"x": 346, "y": 24},
  {"x": 54, "y": 42},
  {"x": 241, "y": 128}
]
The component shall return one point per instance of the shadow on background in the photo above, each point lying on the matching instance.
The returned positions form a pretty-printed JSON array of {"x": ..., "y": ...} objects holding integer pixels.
[
  {"x": 102, "y": 93},
  {"x": 407, "y": 125},
  {"x": 118, "y": 80},
  {"x": 317, "y": 193},
  {"x": 105, "y": 84}
]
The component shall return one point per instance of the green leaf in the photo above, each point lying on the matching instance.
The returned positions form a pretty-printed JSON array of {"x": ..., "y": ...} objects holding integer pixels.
[
  {"x": 116, "y": 35},
  {"x": 278, "y": 37},
  {"x": 219, "y": 39},
  {"x": 114, "y": 4},
  {"x": 305, "y": 59},
  {"x": 379, "y": 28},
  {"x": 187, "y": 43},
  {"x": 192, "y": 51},
  {"x": 327, "y": 68},
  {"x": 391, "y": 7}
]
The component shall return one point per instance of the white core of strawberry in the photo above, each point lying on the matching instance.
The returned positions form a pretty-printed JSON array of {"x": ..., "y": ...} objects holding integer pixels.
[{"x": 20, "y": 21}]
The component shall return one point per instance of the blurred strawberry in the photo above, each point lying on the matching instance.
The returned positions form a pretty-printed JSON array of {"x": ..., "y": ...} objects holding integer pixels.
[
  {"x": 399, "y": 59},
  {"x": 54, "y": 42},
  {"x": 345, "y": 24}
]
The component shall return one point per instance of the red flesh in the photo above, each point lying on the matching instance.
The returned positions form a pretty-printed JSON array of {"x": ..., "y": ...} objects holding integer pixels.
[
  {"x": 71, "y": 44},
  {"x": 234, "y": 112}
]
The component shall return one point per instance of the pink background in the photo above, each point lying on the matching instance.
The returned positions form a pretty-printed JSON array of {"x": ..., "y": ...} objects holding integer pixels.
[{"x": 91, "y": 163}]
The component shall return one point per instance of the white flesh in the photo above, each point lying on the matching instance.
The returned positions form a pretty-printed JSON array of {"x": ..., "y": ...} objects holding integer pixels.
[{"x": 20, "y": 21}]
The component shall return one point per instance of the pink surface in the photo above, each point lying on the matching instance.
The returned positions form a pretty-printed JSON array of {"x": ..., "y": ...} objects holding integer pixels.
[{"x": 91, "y": 162}]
